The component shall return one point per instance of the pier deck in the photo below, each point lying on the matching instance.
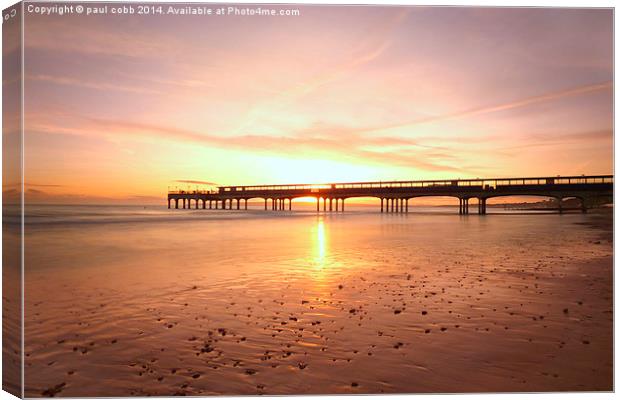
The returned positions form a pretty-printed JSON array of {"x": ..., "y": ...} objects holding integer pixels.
[{"x": 395, "y": 195}]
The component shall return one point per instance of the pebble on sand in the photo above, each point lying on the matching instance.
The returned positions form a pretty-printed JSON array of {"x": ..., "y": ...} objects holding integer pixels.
[{"x": 54, "y": 390}]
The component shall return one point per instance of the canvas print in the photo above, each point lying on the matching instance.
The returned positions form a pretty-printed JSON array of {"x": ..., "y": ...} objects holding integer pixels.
[{"x": 286, "y": 199}]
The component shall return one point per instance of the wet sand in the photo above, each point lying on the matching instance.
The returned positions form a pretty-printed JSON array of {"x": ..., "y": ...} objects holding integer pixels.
[{"x": 353, "y": 303}]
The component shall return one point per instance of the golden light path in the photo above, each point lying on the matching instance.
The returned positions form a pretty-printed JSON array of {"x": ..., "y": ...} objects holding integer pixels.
[
  {"x": 318, "y": 268},
  {"x": 320, "y": 244}
]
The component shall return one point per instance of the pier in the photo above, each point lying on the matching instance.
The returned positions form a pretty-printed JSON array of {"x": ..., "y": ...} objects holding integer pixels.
[{"x": 394, "y": 196}]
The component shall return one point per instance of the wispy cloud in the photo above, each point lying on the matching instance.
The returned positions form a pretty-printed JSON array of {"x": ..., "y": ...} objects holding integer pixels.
[
  {"x": 369, "y": 48},
  {"x": 61, "y": 80},
  {"x": 195, "y": 182},
  {"x": 518, "y": 103},
  {"x": 354, "y": 147},
  {"x": 603, "y": 136}
]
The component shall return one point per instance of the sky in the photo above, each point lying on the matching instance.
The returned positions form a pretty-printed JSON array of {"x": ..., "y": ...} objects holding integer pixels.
[{"x": 121, "y": 108}]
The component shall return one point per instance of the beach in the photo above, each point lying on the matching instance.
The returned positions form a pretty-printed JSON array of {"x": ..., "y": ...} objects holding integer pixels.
[{"x": 124, "y": 301}]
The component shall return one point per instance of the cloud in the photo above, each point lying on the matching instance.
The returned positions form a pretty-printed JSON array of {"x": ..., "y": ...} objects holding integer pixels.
[
  {"x": 27, "y": 184},
  {"x": 94, "y": 37},
  {"x": 195, "y": 182},
  {"x": 356, "y": 147},
  {"x": 524, "y": 102},
  {"x": 554, "y": 139},
  {"x": 35, "y": 196},
  {"x": 60, "y": 80},
  {"x": 373, "y": 44}
]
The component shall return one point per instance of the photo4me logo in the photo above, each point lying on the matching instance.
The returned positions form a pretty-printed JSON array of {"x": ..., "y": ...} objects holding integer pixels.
[{"x": 157, "y": 9}]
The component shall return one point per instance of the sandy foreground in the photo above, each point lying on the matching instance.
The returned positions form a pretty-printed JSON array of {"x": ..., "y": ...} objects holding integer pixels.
[{"x": 525, "y": 315}]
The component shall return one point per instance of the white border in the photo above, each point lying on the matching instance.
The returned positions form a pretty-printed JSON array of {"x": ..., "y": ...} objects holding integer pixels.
[{"x": 484, "y": 3}]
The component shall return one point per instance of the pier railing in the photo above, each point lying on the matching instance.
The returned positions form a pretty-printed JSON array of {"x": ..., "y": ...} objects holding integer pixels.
[{"x": 484, "y": 183}]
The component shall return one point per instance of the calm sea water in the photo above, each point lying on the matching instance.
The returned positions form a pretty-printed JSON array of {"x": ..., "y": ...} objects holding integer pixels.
[{"x": 145, "y": 300}]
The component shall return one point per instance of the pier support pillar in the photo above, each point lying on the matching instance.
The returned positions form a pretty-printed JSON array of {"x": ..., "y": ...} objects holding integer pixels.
[
  {"x": 246, "y": 204},
  {"x": 324, "y": 204},
  {"x": 265, "y": 204},
  {"x": 204, "y": 204},
  {"x": 406, "y": 205},
  {"x": 331, "y": 201},
  {"x": 176, "y": 203},
  {"x": 342, "y": 205},
  {"x": 290, "y": 204},
  {"x": 382, "y": 204},
  {"x": 318, "y": 203},
  {"x": 482, "y": 206},
  {"x": 168, "y": 203},
  {"x": 560, "y": 205}
]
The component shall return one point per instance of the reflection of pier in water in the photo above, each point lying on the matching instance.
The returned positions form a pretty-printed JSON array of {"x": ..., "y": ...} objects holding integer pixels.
[{"x": 395, "y": 195}]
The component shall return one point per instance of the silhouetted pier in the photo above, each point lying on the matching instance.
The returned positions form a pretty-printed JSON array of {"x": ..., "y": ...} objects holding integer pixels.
[{"x": 394, "y": 196}]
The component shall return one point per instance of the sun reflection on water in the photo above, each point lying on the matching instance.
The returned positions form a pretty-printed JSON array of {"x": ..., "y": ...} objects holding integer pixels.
[
  {"x": 320, "y": 244},
  {"x": 320, "y": 258}
]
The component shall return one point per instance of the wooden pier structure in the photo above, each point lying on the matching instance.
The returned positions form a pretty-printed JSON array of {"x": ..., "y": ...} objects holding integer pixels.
[{"x": 395, "y": 195}]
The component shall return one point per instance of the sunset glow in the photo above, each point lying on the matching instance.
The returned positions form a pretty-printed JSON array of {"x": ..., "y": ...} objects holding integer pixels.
[{"x": 129, "y": 106}]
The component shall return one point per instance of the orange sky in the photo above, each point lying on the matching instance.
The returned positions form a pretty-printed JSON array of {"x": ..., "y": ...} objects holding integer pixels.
[{"x": 122, "y": 107}]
